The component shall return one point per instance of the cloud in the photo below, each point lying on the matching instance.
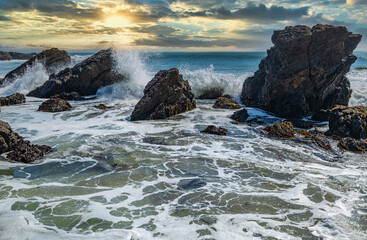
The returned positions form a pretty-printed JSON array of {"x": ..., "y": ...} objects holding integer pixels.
[{"x": 5, "y": 19}]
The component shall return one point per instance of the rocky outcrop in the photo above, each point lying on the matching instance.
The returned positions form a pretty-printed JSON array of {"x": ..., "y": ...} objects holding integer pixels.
[
  {"x": 304, "y": 71},
  {"x": 7, "y": 56},
  {"x": 53, "y": 59},
  {"x": 167, "y": 94},
  {"x": 73, "y": 96},
  {"x": 211, "y": 93},
  {"x": 215, "y": 130},
  {"x": 84, "y": 78},
  {"x": 226, "y": 103},
  {"x": 348, "y": 122},
  {"x": 12, "y": 99},
  {"x": 19, "y": 149},
  {"x": 55, "y": 105},
  {"x": 280, "y": 130},
  {"x": 240, "y": 116}
]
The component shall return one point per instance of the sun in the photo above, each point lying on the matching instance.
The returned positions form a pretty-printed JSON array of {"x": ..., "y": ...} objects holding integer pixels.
[{"x": 115, "y": 21}]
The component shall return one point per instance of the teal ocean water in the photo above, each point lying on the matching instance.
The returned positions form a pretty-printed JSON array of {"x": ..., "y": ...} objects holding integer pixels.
[{"x": 110, "y": 178}]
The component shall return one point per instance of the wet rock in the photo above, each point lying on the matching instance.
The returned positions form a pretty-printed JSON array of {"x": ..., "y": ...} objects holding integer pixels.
[
  {"x": 315, "y": 138},
  {"x": 353, "y": 145},
  {"x": 19, "y": 150},
  {"x": 55, "y": 105},
  {"x": 101, "y": 106},
  {"x": 226, "y": 103},
  {"x": 304, "y": 71},
  {"x": 322, "y": 115},
  {"x": 84, "y": 78},
  {"x": 167, "y": 94},
  {"x": 299, "y": 123},
  {"x": 215, "y": 130},
  {"x": 280, "y": 130},
  {"x": 348, "y": 122},
  {"x": 227, "y": 96},
  {"x": 53, "y": 60},
  {"x": 240, "y": 116},
  {"x": 212, "y": 93},
  {"x": 12, "y": 99},
  {"x": 72, "y": 96},
  {"x": 7, "y": 56}
]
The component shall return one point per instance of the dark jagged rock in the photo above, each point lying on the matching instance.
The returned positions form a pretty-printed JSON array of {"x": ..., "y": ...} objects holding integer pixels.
[
  {"x": 212, "y": 93},
  {"x": 7, "y": 56},
  {"x": 73, "y": 96},
  {"x": 55, "y": 105},
  {"x": 304, "y": 71},
  {"x": 353, "y": 145},
  {"x": 348, "y": 122},
  {"x": 84, "y": 78},
  {"x": 280, "y": 130},
  {"x": 53, "y": 59},
  {"x": 12, "y": 99},
  {"x": 19, "y": 150},
  {"x": 101, "y": 106},
  {"x": 226, "y": 103},
  {"x": 215, "y": 130},
  {"x": 240, "y": 116},
  {"x": 322, "y": 115},
  {"x": 167, "y": 94}
]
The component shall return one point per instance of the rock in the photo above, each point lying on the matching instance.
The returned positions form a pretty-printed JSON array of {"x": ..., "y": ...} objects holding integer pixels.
[
  {"x": 348, "y": 122},
  {"x": 6, "y": 56},
  {"x": 353, "y": 145},
  {"x": 167, "y": 94},
  {"x": 240, "y": 116},
  {"x": 85, "y": 78},
  {"x": 53, "y": 59},
  {"x": 280, "y": 130},
  {"x": 227, "y": 96},
  {"x": 212, "y": 93},
  {"x": 226, "y": 103},
  {"x": 72, "y": 96},
  {"x": 12, "y": 99},
  {"x": 101, "y": 106},
  {"x": 304, "y": 71},
  {"x": 215, "y": 130},
  {"x": 55, "y": 105},
  {"x": 322, "y": 115},
  {"x": 315, "y": 138},
  {"x": 19, "y": 150}
]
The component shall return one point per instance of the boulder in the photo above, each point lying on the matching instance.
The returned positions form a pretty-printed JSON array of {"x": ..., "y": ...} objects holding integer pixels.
[
  {"x": 303, "y": 72},
  {"x": 53, "y": 59},
  {"x": 55, "y": 105},
  {"x": 353, "y": 145},
  {"x": 85, "y": 78},
  {"x": 348, "y": 122},
  {"x": 6, "y": 56},
  {"x": 12, "y": 99},
  {"x": 73, "y": 96},
  {"x": 240, "y": 116},
  {"x": 19, "y": 150},
  {"x": 167, "y": 94},
  {"x": 211, "y": 93},
  {"x": 322, "y": 115},
  {"x": 226, "y": 103},
  {"x": 215, "y": 130},
  {"x": 280, "y": 130}
]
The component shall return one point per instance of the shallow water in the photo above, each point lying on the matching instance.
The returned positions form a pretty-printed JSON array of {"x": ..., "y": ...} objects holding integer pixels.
[{"x": 110, "y": 178}]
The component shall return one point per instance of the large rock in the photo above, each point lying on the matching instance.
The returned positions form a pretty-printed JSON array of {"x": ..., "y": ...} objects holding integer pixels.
[
  {"x": 304, "y": 71},
  {"x": 211, "y": 93},
  {"x": 12, "y": 99},
  {"x": 84, "y": 78},
  {"x": 167, "y": 94},
  {"x": 240, "y": 116},
  {"x": 55, "y": 105},
  {"x": 6, "y": 56},
  {"x": 53, "y": 59},
  {"x": 19, "y": 150},
  {"x": 215, "y": 130},
  {"x": 280, "y": 130},
  {"x": 348, "y": 122},
  {"x": 226, "y": 103},
  {"x": 73, "y": 96}
]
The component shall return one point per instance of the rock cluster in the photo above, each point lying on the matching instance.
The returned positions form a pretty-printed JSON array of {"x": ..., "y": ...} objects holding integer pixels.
[
  {"x": 304, "y": 71},
  {"x": 84, "y": 78},
  {"x": 55, "y": 105},
  {"x": 167, "y": 94},
  {"x": 12, "y": 99}
]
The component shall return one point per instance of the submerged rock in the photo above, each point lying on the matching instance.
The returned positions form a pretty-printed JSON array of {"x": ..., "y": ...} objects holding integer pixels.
[
  {"x": 72, "y": 96},
  {"x": 348, "y": 122},
  {"x": 167, "y": 94},
  {"x": 212, "y": 93},
  {"x": 304, "y": 71},
  {"x": 12, "y": 99},
  {"x": 101, "y": 106},
  {"x": 85, "y": 78},
  {"x": 240, "y": 116},
  {"x": 53, "y": 59},
  {"x": 353, "y": 145},
  {"x": 19, "y": 150},
  {"x": 215, "y": 130},
  {"x": 226, "y": 103},
  {"x": 55, "y": 105},
  {"x": 280, "y": 130}
]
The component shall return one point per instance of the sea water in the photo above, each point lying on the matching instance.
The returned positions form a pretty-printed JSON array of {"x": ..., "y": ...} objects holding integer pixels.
[{"x": 110, "y": 178}]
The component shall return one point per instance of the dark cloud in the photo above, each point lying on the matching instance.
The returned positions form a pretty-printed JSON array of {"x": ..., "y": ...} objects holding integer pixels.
[
  {"x": 60, "y": 8},
  {"x": 4, "y": 19},
  {"x": 155, "y": 29}
]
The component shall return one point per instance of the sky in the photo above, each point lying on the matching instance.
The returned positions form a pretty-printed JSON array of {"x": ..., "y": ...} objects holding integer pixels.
[{"x": 172, "y": 25}]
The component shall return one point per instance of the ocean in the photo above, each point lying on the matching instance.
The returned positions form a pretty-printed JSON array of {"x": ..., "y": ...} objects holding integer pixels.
[{"x": 111, "y": 178}]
